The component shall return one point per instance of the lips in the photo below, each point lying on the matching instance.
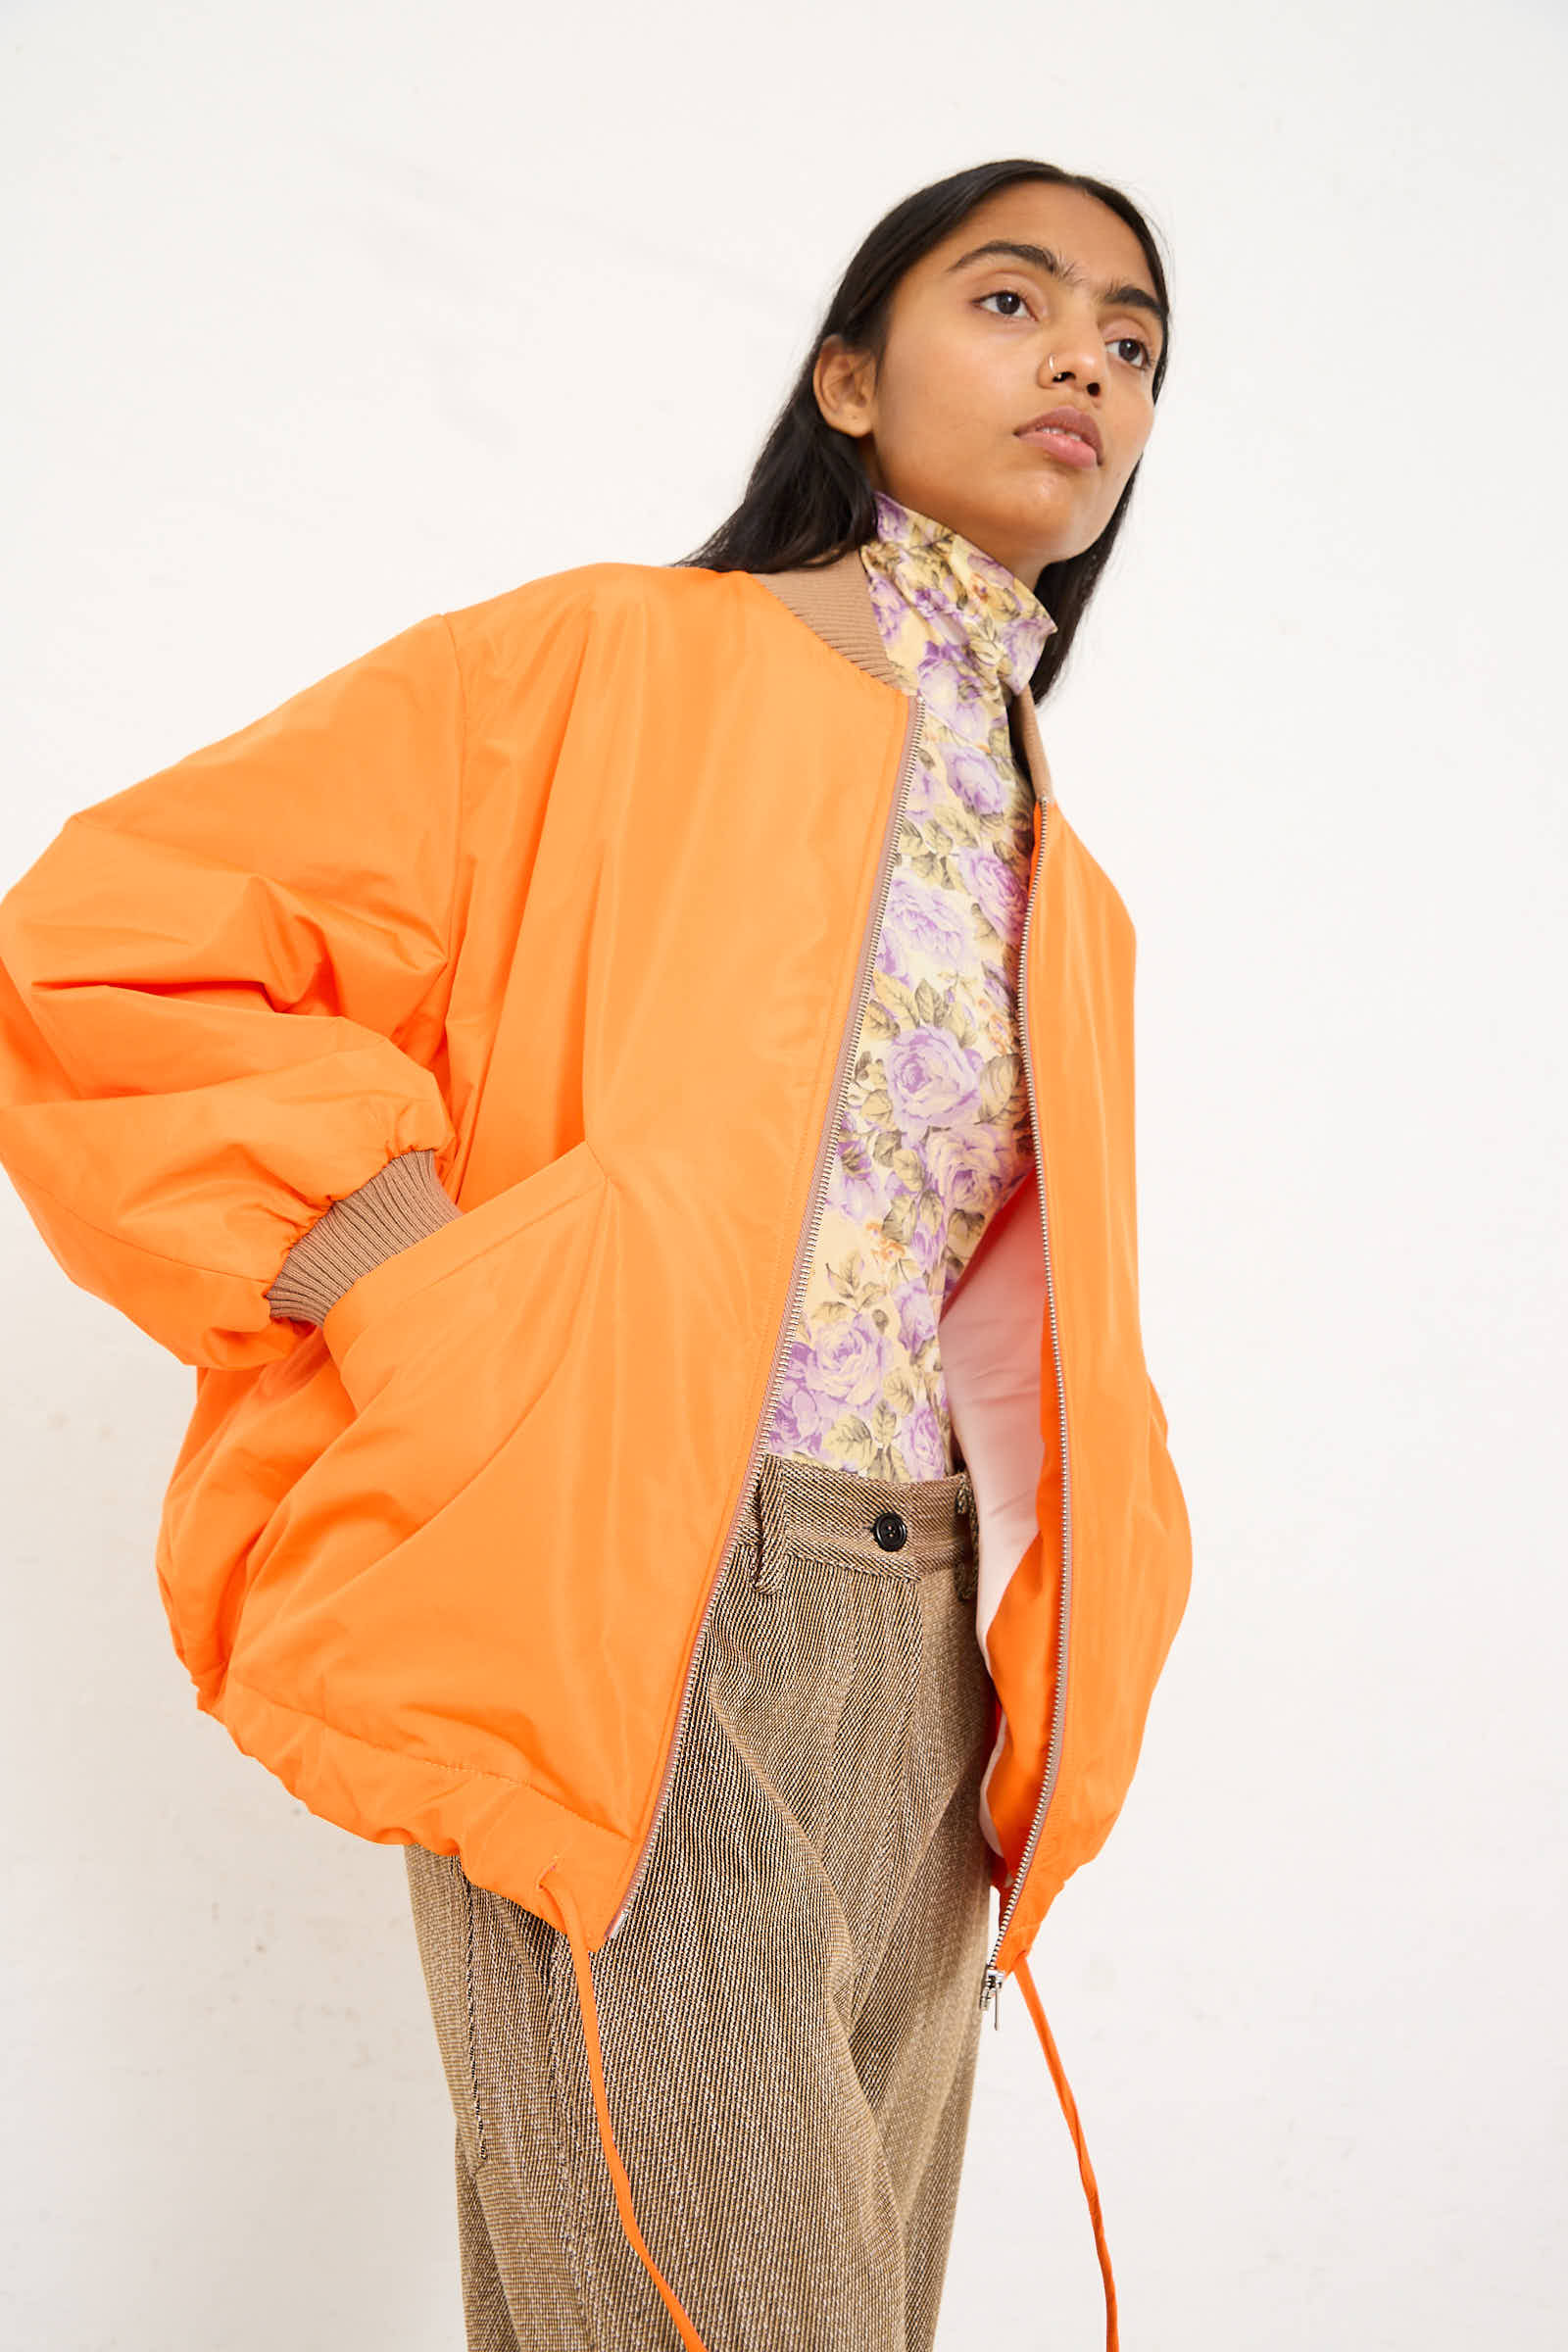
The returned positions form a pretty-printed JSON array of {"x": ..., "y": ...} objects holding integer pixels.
[{"x": 1076, "y": 421}]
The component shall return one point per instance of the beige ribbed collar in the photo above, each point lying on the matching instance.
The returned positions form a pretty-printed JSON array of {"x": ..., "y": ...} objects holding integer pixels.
[{"x": 834, "y": 600}]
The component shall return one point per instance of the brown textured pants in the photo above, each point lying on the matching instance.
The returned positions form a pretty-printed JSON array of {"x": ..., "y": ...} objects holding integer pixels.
[{"x": 790, "y": 2014}]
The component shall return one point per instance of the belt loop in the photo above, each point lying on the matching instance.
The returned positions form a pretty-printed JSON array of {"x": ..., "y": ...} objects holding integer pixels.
[
  {"x": 967, "y": 1575},
  {"x": 772, "y": 1517}
]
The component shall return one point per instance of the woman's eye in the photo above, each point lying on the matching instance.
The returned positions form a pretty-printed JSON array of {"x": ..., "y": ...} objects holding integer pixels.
[
  {"x": 1138, "y": 343},
  {"x": 1004, "y": 294}
]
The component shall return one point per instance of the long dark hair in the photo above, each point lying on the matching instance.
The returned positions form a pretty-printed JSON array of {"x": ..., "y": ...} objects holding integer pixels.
[{"x": 808, "y": 499}]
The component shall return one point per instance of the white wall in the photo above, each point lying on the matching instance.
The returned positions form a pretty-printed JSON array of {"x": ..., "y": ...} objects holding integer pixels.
[{"x": 318, "y": 319}]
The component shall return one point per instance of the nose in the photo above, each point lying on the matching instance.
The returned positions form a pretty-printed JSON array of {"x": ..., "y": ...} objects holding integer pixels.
[
  {"x": 1073, "y": 348},
  {"x": 1075, "y": 367}
]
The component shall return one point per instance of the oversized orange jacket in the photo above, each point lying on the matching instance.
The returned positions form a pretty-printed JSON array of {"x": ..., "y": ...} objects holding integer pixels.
[{"x": 578, "y": 888}]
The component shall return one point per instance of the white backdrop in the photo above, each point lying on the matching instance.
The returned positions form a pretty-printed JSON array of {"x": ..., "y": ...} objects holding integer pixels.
[{"x": 321, "y": 317}]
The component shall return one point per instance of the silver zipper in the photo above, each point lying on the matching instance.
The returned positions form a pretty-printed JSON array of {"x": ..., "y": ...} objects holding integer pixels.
[
  {"x": 994, "y": 1979},
  {"x": 803, "y": 1258}
]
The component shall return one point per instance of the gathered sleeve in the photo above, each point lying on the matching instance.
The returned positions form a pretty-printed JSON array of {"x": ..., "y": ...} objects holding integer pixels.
[{"x": 221, "y": 992}]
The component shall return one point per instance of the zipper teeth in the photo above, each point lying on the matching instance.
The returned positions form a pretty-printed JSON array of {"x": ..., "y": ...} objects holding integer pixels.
[
  {"x": 993, "y": 1980},
  {"x": 802, "y": 1257}
]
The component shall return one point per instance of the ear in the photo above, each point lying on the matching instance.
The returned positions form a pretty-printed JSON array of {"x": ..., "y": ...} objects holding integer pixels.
[{"x": 842, "y": 381}]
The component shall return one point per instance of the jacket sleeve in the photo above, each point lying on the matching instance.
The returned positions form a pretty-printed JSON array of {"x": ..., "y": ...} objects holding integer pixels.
[{"x": 220, "y": 995}]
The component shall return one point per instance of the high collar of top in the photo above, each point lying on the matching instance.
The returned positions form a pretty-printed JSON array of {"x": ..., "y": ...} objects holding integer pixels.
[{"x": 977, "y": 610}]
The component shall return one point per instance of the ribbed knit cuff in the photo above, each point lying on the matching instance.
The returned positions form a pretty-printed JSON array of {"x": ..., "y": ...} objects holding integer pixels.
[{"x": 398, "y": 1207}]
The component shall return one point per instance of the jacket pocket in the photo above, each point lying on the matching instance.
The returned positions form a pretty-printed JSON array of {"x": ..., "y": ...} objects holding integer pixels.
[
  {"x": 363, "y": 1609},
  {"x": 443, "y": 1351},
  {"x": 459, "y": 1270}
]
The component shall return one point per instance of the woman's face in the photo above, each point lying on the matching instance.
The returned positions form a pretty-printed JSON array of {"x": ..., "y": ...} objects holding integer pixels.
[{"x": 979, "y": 348}]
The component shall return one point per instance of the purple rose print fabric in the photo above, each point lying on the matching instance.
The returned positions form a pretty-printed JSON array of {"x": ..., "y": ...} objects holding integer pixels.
[{"x": 936, "y": 1120}]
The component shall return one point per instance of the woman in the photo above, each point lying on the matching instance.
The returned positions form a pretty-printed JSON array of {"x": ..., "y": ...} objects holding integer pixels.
[{"x": 673, "y": 1447}]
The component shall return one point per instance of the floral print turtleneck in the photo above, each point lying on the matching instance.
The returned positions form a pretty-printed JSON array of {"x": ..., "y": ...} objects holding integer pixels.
[{"x": 936, "y": 1120}]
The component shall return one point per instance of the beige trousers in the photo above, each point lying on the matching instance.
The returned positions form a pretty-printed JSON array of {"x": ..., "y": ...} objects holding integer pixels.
[{"x": 790, "y": 2013}]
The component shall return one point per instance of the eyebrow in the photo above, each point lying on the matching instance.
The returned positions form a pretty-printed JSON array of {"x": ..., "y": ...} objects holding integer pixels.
[{"x": 1128, "y": 295}]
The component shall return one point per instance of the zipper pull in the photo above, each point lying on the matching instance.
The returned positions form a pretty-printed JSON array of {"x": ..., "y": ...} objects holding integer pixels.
[{"x": 993, "y": 1993}]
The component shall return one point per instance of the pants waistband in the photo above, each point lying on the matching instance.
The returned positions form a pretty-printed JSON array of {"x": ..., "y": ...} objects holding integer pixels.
[{"x": 890, "y": 1527}]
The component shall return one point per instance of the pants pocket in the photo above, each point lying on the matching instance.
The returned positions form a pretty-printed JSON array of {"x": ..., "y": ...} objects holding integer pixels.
[{"x": 442, "y": 1902}]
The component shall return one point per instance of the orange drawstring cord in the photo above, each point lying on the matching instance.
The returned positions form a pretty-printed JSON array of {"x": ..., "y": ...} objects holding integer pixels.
[
  {"x": 1084, "y": 2168},
  {"x": 561, "y": 1895},
  {"x": 564, "y": 1903}
]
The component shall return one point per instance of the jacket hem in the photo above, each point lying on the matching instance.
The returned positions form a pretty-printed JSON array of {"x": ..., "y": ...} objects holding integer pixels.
[{"x": 506, "y": 1840}]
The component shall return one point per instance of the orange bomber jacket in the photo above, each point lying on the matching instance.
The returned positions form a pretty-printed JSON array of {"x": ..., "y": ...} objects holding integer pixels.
[{"x": 577, "y": 890}]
